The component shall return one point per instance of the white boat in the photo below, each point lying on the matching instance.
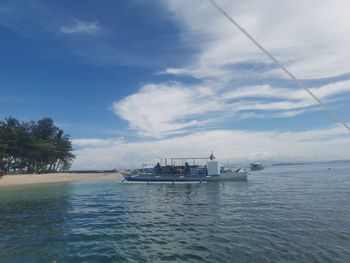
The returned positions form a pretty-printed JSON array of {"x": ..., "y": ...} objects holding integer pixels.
[{"x": 185, "y": 172}]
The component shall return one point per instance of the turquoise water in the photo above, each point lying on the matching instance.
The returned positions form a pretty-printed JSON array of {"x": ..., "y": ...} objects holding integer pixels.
[{"x": 282, "y": 214}]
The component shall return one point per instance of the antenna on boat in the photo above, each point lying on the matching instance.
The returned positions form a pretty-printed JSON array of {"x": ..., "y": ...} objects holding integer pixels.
[
  {"x": 212, "y": 157},
  {"x": 336, "y": 117}
]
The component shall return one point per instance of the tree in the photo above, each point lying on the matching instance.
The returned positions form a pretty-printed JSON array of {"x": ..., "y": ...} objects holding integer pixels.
[
  {"x": 11, "y": 134},
  {"x": 34, "y": 146}
]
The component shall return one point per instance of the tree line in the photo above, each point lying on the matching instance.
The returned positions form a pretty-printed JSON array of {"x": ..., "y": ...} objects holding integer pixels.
[{"x": 34, "y": 147}]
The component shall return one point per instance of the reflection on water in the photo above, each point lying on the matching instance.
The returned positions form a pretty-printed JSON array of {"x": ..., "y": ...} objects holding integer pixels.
[{"x": 282, "y": 214}]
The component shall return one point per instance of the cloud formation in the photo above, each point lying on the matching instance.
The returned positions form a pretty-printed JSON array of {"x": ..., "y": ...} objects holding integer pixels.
[
  {"x": 227, "y": 64},
  {"x": 234, "y": 146},
  {"x": 79, "y": 26},
  {"x": 157, "y": 110},
  {"x": 309, "y": 37},
  {"x": 160, "y": 110}
]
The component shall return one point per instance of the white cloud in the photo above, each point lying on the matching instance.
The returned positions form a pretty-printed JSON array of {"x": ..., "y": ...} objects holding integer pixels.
[
  {"x": 172, "y": 108},
  {"x": 166, "y": 109},
  {"x": 228, "y": 145},
  {"x": 304, "y": 41},
  {"x": 79, "y": 26},
  {"x": 310, "y": 37},
  {"x": 94, "y": 142}
]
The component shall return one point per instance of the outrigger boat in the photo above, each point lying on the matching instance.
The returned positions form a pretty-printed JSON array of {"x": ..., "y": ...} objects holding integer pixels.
[
  {"x": 256, "y": 167},
  {"x": 185, "y": 172}
]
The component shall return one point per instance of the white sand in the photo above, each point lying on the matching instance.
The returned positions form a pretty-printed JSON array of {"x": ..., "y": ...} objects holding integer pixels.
[{"x": 25, "y": 179}]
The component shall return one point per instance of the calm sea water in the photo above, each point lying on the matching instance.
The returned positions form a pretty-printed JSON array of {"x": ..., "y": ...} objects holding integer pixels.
[{"x": 282, "y": 214}]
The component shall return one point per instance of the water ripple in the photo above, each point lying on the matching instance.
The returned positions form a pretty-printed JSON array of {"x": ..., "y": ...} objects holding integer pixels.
[{"x": 282, "y": 214}]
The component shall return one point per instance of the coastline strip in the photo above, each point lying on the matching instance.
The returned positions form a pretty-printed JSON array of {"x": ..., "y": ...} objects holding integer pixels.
[{"x": 27, "y": 179}]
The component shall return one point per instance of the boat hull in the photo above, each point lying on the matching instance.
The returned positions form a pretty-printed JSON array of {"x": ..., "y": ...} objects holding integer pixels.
[{"x": 236, "y": 176}]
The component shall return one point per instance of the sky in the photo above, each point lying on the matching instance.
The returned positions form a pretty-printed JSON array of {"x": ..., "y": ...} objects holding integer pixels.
[{"x": 134, "y": 81}]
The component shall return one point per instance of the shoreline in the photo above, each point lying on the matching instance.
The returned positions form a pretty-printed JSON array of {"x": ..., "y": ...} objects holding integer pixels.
[{"x": 29, "y": 179}]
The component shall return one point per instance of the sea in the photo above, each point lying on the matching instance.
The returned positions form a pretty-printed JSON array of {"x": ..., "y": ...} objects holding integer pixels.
[{"x": 284, "y": 213}]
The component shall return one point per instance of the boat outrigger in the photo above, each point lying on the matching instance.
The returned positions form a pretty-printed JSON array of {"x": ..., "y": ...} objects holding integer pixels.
[{"x": 186, "y": 172}]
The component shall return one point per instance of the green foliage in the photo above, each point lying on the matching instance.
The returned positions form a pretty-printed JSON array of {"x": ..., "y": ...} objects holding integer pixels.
[{"x": 34, "y": 146}]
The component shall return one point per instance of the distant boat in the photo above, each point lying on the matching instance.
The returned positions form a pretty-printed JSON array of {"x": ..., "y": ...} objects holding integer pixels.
[
  {"x": 256, "y": 166},
  {"x": 186, "y": 173}
]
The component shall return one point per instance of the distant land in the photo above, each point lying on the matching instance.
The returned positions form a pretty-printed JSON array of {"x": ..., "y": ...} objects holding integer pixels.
[{"x": 305, "y": 163}]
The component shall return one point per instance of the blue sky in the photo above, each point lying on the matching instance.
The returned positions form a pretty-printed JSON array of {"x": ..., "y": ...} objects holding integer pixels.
[
  {"x": 75, "y": 77},
  {"x": 136, "y": 80}
]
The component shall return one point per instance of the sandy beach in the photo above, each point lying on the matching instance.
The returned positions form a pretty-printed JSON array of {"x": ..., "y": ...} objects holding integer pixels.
[{"x": 26, "y": 179}]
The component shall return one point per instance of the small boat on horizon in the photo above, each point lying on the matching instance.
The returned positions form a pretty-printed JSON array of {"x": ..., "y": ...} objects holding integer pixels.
[
  {"x": 256, "y": 166},
  {"x": 186, "y": 173}
]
